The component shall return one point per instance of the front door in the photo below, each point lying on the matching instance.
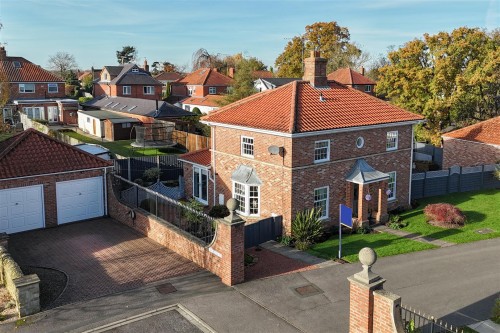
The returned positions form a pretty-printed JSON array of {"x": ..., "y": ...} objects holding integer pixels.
[{"x": 53, "y": 114}]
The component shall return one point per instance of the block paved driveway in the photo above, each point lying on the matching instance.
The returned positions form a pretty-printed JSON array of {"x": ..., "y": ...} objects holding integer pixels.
[{"x": 100, "y": 257}]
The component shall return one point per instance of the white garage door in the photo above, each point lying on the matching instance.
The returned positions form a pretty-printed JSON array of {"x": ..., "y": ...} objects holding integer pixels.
[
  {"x": 21, "y": 209},
  {"x": 79, "y": 199}
]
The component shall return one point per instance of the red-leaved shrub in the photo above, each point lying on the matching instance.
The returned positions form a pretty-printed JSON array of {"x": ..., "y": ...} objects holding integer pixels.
[{"x": 444, "y": 215}]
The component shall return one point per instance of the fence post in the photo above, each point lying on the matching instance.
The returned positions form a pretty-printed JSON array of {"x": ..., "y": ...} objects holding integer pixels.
[
  {"x": 460, "y": 181},
  {"x": 423, "y": 186},
  {"x": 482, "y": 176},
  {"x": 129, "y": 170},
  {"x": 448, "y": 181}
]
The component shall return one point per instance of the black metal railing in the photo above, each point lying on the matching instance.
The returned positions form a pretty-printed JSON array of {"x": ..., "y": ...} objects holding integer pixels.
[
  {"x": 416, "y": 322},
  {"x": 169, "y": 210}
]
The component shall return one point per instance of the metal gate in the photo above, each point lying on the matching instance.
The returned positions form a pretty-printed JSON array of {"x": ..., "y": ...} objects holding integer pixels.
[{"x": 263, "y": 231}]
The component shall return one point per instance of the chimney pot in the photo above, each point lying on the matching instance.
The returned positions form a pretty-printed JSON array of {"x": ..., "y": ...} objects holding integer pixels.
[
  {"x": 362, "y": 71},
  {"x": 3, "y": 52}
]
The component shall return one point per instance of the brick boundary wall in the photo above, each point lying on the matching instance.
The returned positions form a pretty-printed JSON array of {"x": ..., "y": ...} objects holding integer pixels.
[{"x": 224, "y": 256}]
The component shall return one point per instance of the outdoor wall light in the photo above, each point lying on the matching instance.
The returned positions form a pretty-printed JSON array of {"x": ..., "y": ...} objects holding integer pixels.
[
  {"x": 368, "y": 197},
  {"x": 388, "y": 192}
]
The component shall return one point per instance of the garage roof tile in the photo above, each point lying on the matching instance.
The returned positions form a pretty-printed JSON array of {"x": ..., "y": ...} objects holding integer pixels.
[{"x": 33, "y": 153}]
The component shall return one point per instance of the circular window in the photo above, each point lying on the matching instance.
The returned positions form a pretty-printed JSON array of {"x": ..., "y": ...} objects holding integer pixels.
[{"x": 360, "y": 142}]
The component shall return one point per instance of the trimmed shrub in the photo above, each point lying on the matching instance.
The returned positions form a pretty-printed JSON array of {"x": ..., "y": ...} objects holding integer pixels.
[
  {"x": 444, "y": 215},
  {"x": 152, "y": 174},
  {"x": 219, "y": 211},
  {"x": 307, "y": 228},
  {"x": 495, "y": 312}
]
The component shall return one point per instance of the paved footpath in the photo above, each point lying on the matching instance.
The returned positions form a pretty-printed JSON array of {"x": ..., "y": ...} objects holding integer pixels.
[
  {"x": 459, "y": 283},
  {"x": 415, "y": 237}
]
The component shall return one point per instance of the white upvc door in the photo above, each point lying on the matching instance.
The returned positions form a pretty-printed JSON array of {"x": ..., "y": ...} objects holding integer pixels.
[{"x": 53, "y": 114}]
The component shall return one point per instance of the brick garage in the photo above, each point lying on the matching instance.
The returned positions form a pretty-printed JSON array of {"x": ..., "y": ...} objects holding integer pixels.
[
  {"x": 473, "y": 145},
  {"x": 33, "y": 169}
]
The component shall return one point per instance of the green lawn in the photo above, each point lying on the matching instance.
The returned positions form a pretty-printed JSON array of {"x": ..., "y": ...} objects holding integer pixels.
[
  {"x": 384, "y": 244},
  {"x": 123, "y": 147},
  {"x": 482, "y": 209}
]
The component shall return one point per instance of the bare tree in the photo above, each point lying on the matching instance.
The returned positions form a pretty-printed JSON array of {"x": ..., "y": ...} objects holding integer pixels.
[{"x": 62, "y": 62}]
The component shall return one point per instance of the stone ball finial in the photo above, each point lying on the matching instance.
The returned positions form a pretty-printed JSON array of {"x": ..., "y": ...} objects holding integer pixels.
[
  {"x": 232, "y": 204},
  {"x": 367, "y": 256}
]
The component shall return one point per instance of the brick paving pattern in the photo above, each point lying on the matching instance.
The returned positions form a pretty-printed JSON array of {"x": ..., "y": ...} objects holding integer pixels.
[
  {"x": 270, "y": 263},
  {"x": 100, "y": 257}
]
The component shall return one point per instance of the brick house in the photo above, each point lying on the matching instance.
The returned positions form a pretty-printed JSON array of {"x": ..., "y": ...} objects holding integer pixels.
[
  {"x": 45, "y": 182},
  {"x": 166, "y": 78},
  {"x": 34, "y": 91},
  {"x": 128, "y": 81},
  {"x": 473, "y": 145},
  {"x": 353, "y": 79},
  {"x": 201, "y": 89},
  {"x": 309, "y": 143}
]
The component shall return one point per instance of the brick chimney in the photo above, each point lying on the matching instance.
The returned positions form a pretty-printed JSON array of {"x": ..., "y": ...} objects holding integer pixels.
[
  {"x": 3, "y": 52},
  {"x": 362, "y": 70},
  {"x": 231, "y": 72},
  {"x": 146, "y": 66},
  {"x": 315, "y": 70}
]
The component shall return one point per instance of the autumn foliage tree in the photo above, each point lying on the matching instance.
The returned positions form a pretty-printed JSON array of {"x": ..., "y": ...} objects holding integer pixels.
[
  {"x": 448, "y": 78},
  {"x": 332, "y": 40},
  {"x": 242, "y": 85}
]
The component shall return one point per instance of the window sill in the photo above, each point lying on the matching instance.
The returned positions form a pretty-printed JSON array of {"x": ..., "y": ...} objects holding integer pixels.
[
  {"x": 391, "y": 149},
  {"x": 321, "y": 161},
  {"x": 248, "y": 156}
]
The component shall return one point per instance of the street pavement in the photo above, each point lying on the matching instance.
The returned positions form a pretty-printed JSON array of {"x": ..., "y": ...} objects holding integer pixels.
[{"x": 458, "y": 283}]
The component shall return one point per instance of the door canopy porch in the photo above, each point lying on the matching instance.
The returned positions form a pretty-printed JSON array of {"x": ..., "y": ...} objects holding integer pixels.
[{"x": 363, "y": 173}]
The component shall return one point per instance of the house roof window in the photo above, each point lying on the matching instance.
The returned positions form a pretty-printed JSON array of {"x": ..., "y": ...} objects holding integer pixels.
[{"x": 17, "y": 64}]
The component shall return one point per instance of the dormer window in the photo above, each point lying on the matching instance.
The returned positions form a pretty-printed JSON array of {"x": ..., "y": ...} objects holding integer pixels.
[
  {"x": 190, "y": 91},
  {"x": 212, "y": 90},
  {"x": 135, "y": 70},
  {"x": 368, "y": 88},
  {"x": 105, "y": 77}
]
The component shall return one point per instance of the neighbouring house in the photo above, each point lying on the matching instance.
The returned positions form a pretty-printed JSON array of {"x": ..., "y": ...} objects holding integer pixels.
[
  {"x": 202, "y": 89},
  {"x": 128, "y": 81},
  {"x": 309, "y": 143},
  {"x": 113, "y": 118},
  {"x": 166, "y": 78},
  {"x": 353, "y": 79},
  {"x": 263, "y": 84},
  {"x": 45, "y": 182},
  {"x": 34, "y": 91},
  {"x": 473, "y": 145}
]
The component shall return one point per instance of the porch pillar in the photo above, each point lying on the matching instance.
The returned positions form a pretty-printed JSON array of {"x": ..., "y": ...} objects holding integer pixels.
[
  {"x": 363, "y": 204},
  {"x": 349, "y": 194},
  {"x": 382, "y": 215}
]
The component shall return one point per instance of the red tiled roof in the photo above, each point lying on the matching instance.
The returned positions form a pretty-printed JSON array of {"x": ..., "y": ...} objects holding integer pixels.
[
  {"x": 296, "y": 108},
  {"x": 200, "y": 157},
  {"x": 27, "y": 72},
  {"x": 349, "y": 77},
  {"x": 168, "y": 76},
  {"x": 208, "y": 100},
  {"x": 487, "y": 131},
  {"x": 262, "y": 74},
  {"x": 33, "y": 153},
  {"x": 205, "y": 77}
]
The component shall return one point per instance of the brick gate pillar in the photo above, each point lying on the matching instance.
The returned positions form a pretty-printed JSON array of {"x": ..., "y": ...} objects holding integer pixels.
[
  {"x": 372, "y": 309},
  {"x": 231, "y": 240}
]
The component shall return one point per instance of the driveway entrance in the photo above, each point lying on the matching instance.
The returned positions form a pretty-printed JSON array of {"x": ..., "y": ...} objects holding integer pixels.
[{"x": 99, "y": 257}]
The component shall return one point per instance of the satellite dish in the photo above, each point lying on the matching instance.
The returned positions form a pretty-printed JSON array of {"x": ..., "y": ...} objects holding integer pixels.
[{"x": 273, "y": 150}]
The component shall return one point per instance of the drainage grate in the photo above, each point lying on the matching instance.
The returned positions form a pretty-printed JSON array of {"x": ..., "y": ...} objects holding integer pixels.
[
  {"x": 308, "y": 290},
  {"x": 166, "y": 288},
  {"x": 484, "y": 231}
]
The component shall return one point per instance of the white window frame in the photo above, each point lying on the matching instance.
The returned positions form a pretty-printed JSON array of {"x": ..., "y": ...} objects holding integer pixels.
[
  {"x": 212, "y": 90},
  {"x": 6, "y": 113},
  {"x": 50, "y": 88},
  {"x": 127, "y": 90},
  {"x": 316, "y": 149},
  {"x": 22, "y": 88},
  {"x": 360, "y": 142},
  {"x": 191, "y": 90},
  {"x": 368, "y": 88},
  {"x": 198, "y": 172},
  {"x": 148, "y": 90},
  {"x": 245, "y": 196},
  {"x": 391, "y": 185},
  {"x": 317, "y": 203},
  {"x": 135, "y": 70},
  {"x": 247, "y": 146},
  {"x": 391, "y": 142},
  {"x": 31, "y": 112}
]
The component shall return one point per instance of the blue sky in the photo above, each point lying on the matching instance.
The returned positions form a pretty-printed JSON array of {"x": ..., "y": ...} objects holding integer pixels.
[{"x": 171, "y": 30}]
